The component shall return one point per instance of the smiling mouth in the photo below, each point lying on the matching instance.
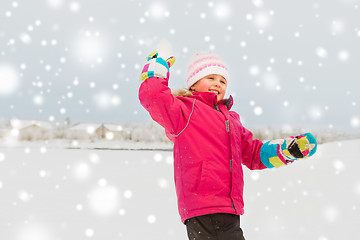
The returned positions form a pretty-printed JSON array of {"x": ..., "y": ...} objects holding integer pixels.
[{"x": 214, "y": 91}]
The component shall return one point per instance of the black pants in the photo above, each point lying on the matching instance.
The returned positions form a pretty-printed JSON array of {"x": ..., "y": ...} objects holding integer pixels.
[{"x": 218, "y": 226}]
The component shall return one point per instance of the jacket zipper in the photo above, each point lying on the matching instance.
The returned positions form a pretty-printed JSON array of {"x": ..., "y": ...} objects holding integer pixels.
[
  {"x": 232, "y": 202},
  {"x": 228, "y": 131}
]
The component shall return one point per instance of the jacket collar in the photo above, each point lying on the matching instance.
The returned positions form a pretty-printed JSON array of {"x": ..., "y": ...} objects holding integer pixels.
[{"x": 211, "y": 99}]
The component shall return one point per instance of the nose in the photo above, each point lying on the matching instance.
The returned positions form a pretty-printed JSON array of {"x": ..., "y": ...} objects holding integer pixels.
[{"x": 217, "y": 83}]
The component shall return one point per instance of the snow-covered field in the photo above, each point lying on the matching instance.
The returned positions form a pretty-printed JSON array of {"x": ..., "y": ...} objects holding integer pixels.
[{"x": 51, "y": 193}]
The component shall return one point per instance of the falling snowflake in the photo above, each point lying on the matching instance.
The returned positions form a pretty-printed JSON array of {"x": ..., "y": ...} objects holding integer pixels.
[
  {"x": 339, "y": 166},
  {"x": 94, "y": 158},
  {"x": 9, "y": 79},
  {"x": 357, "y": 189},
  {"x": 158, "y": 157},
  {"x": 355, "y": 122},
  {"x": 254, "y": 70},
  {"x": 38, "y": 100},
  {"x": 323, "y": 238},
  {"x": 151, "y": 219},
  {"x": 25, "y": 38},
  {"x": 2, "y": 156},
  {"x": 321, "y": 52},
  {"x": 163, "y": 183},
  {"x": 24, "y": 196},
  {"x": 157, "y": 11},
  {"x": 258, "y": 3},
  {"x": 109, "y": 135},
  {"x": 222, "y": 11},
  {"x": 81, "y": 171},
  {"x": 337, "y": 27},
  {"x": 331, "y": 213},
  {"x": 128, "y": 194},
  {"x": 255, "y": 176},
  {"x": 35, "y": 231},
  {"x": 89, "y": 232},
  {"x": 55, "y": 3},
  {"x": 104, "y": 200},
  {"x": 343, "y": 56},
  {"x": 74, "y": 6},
  {"x": 271, "y": 82},
  {"x": 105, "y": 100},
  {"x": 261, "y": 19},
  {"x": 90, "y": 47},
  {"x": 315, "y": 112},
  {"x": 258, "y": 111},
  {"x": 43, "y": 150}
]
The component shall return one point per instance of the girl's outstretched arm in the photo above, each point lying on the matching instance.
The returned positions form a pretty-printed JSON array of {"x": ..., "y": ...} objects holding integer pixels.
[{"x": 281, "y": 152}]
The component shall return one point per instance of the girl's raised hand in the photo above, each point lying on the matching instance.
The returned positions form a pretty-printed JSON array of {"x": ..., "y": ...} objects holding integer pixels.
[{"x": 157, "y": 67}]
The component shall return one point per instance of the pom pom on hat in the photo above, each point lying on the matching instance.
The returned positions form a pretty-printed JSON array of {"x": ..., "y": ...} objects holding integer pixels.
[{"x": 203, "y": 64}]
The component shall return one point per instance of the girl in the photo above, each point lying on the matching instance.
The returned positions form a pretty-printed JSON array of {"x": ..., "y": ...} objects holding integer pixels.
[{"x": 210, "y": 144}]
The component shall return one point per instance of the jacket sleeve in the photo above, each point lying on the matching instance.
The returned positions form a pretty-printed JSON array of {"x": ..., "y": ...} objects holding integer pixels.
[
  {"x": 250, "y": 150},
  {"x": 155, "y": 96}
]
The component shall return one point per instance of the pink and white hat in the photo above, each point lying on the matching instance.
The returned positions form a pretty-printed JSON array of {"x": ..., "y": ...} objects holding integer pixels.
[{"x": 203, "y": 64}]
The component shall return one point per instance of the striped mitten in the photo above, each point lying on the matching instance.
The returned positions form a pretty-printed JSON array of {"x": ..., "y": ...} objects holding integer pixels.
[
  {"x": 157, "y": 67},
  {"x": 280, "y": 152}
]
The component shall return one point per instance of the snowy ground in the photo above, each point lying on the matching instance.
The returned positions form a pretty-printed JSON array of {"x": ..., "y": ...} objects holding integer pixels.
[{"x": 50, "y": 193}]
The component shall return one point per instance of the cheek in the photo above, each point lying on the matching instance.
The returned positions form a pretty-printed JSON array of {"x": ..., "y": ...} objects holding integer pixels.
[{"x": 203, "y": 87}]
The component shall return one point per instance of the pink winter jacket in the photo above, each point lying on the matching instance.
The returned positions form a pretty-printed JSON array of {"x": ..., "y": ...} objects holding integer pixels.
[{"x": 210, "y": 146}]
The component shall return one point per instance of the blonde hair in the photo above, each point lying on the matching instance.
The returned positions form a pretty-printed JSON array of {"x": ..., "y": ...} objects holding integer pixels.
[{"x": 184, "y": 92}]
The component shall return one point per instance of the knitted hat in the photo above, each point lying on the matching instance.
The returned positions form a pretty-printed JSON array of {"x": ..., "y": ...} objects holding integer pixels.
[{"x": 203, "y": 64}]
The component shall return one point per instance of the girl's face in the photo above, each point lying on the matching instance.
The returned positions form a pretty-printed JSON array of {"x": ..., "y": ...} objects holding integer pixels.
[{"x": 211, "y": 83}]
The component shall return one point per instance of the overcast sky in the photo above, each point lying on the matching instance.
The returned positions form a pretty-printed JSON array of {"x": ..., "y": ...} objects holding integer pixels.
[{"x": 292, "y": 63}]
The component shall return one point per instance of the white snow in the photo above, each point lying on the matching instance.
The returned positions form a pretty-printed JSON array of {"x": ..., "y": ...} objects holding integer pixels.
[{"x": 85, "y": 193}]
